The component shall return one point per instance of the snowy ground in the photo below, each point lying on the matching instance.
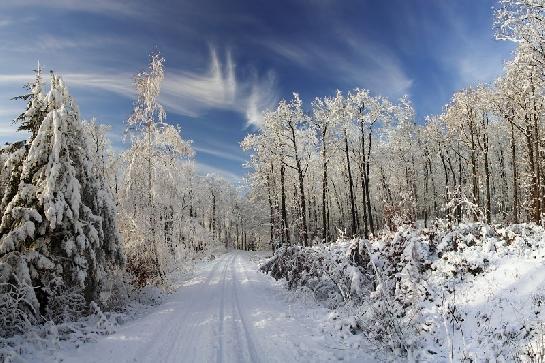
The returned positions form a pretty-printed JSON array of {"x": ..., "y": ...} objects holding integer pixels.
[{"x": 227, "y": 312}]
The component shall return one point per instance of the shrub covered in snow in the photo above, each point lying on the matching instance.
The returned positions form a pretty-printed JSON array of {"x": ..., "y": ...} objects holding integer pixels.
[
  {"x": 471, "y": 292},
  {"x": 43, "y": 342},
  {"x": 335, "y": 273}
]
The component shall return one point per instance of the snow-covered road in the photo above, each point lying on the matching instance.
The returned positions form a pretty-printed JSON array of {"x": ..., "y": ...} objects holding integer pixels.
[{"x": 228, "y": 312}]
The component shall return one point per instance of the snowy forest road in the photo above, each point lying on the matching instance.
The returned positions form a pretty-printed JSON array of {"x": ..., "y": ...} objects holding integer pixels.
[{"x": 227, "y": 312}]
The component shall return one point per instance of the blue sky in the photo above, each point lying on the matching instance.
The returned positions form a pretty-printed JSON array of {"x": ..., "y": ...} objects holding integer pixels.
[{"x": 228, "y": 60}]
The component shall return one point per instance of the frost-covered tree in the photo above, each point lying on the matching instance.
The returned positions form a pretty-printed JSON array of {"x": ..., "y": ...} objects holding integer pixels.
[{"x": 150, "y": 175}]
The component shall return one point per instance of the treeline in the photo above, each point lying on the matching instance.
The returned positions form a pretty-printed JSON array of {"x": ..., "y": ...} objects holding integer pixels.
[
  {"x": 356, "y": 162},
  {"x": 81, "y": 223}
]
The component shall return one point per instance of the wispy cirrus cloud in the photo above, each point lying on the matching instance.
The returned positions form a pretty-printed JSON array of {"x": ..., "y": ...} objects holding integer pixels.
[
  {"x": 222, "y": 153},
  {"x": 359, "y": 63},
  {"x": 8, "y": 130},
  {"x": 185, "y": 92},
  {"x": 261, "y": 96},
  {"x": 385, "y": 74},
  {"x": 104, "y": 7},
  {"x": 473, "y": 56},
  {"x": 120, "y": 83},
  {"x": 189, "y": 93},
  {"x": 52, "y": 43},
  {"x": 5, "y": 22}
]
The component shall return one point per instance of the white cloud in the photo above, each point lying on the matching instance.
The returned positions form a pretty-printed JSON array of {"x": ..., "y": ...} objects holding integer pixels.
[
  {"x": 294, "y": 53},
  {"x": 476, "y": 67},
  {"x": 15, "y": 21},
  {"x": 382, "y": 71},
  {"x": 15, "y": 78},
  {"x": 120, "y": 83},
  {"x": 475, "y": 58},
  {"x": 5, "y": 22},
  {"x": 10, "y": 111},
  {"x": 9, "y": 130},
  {"x": 261, "y": 97},
  {"x": 188, "y": 92},
  {"x": 48, "y": 45}
]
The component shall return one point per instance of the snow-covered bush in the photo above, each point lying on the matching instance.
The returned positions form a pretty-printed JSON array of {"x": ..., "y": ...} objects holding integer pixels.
[
  {"x": 335, "y": 274},
  {"x": 16, "y": 316},
  {"x": 471, "y": 292}
]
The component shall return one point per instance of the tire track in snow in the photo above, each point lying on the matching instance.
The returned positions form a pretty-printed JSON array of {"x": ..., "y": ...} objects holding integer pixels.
[
  {"x": 212, "y": 272},
  {"x": 181, "y": 321},
  {"x": 221, "y": 315},
  {"x": 175, "y": 326},
  {"x": 249, "y": 341},
  {"x": 240, "y": 344}
]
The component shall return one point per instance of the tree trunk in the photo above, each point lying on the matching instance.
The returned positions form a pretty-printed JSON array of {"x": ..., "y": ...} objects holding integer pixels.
[
  {"x": 151, "y": 206},
  {"x": 487, "y": 175},
  {"x": 367, "y": 169},
  {"x": 515, "y": 175},
  {"x": 364, "y": 182},
  {"x": 285, "y": 231},
  {"x": 303, "y": 209},
  {"x": 272, "y": 219},
  {"x": 504, "y": 187},
  {"x": 214, "y": 232},
  {"x": 535, "y": 215},
  {"x": 350, "y": 186},
  {"x": 474, "y": 176},
  {"x": 324, "y": 187}
]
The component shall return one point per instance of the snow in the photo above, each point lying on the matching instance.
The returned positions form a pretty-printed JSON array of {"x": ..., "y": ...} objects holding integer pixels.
[
  {"x": 502, "y": 301},
  {"x": 227, "y": 312}
]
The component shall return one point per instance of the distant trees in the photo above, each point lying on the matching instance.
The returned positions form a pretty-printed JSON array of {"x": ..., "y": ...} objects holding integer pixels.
[{"x": 317, "y": 164}]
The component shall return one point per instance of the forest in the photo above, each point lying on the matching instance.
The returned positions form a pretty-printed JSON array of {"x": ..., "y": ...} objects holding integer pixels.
[{"x": 398, "y": 225}]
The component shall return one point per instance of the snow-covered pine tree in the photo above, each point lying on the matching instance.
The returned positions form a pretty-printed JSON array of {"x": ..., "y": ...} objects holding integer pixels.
[
  {"x": 14, "y": 154},
  {"x": 58, "y": 232},
  {"x": 31, "y": 119}
]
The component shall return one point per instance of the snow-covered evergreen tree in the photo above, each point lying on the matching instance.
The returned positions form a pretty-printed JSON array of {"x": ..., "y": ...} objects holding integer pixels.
[
  {"x": 58, "y": 232},
  {"x": 31, "y": 119}
]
